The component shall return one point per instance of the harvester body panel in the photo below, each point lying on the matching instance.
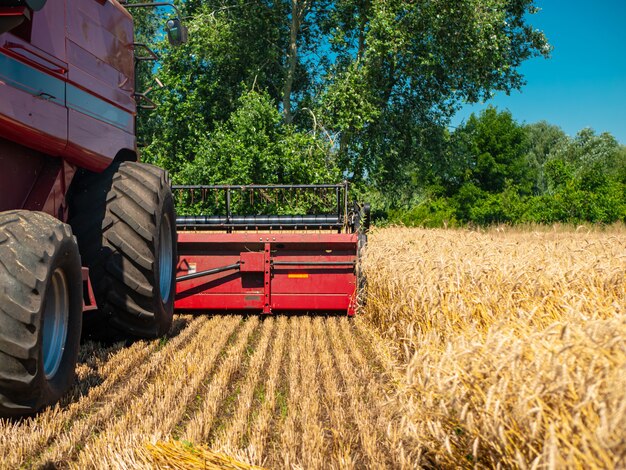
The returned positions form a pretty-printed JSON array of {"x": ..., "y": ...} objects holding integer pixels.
[
  {"x": 67, "y": 92},
  {"x": 68, "y": 176}
]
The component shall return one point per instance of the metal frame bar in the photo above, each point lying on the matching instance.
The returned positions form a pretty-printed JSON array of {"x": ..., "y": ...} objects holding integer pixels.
[
  {"x": 267, "y": 279},
  {"x": 313, "y": 263},
  {"x": 150, "y": 5},
  {"x": 152, "y": 56},
  {"x": 209, "y": 271},
  {"x": 259, "y": 186},
  {"x": 229, "y": 222}
]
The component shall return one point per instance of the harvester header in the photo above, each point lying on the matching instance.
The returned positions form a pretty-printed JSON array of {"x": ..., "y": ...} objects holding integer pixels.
[{"x": 245, "y": 259}]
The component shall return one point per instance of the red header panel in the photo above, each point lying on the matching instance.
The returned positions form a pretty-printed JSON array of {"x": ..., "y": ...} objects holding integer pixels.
[{"x": 286, "y": 272}]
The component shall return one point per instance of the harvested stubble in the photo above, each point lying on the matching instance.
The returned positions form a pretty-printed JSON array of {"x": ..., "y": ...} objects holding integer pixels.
[
  {"x": 249, "y": 388},
  {"x": 513, "y": 344},
  {"x": 474, "y": 350}
]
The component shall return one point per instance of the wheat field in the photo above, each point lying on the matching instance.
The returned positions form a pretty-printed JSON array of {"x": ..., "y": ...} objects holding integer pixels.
[{"x": 477, "y": 349}]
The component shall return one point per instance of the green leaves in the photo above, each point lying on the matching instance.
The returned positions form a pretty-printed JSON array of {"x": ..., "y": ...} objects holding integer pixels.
[
  {"x": 499, "y": 148},
  {"x": 406, "y": 66},
  {"x": 253, "y": 147},
  {"x": 362, "y": 89}
]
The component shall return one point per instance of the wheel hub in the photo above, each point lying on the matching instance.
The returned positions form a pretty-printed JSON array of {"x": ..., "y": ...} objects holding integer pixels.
[
  {"x": 165, "y": 259},
  {"x": 55, "y": 322}
]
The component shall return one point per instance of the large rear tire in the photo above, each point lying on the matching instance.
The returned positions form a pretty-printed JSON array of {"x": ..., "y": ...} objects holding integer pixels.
[
  {"x": 40, "y": 311},
  {"x": 126, "y": 228}
]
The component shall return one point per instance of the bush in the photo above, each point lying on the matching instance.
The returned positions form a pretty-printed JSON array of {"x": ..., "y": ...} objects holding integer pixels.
[
  {"x": 569, "y": 204},
  {"x": 430, "y": 213}
]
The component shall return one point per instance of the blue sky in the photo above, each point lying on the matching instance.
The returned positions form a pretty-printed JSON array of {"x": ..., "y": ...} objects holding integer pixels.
[{"x": 583, "y": 84}]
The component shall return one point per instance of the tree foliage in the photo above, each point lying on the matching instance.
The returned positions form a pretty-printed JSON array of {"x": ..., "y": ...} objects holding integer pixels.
[
  {"x": 305, "y": 91},
  {"x": 372, "y": 77},
  {"x": 413, "y": 63},
  {"x": 253, "y": 146},
  {"x": 498, "y": 171}
]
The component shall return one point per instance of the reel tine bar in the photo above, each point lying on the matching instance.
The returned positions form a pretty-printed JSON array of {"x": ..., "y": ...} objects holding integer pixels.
[{"x": 334, "y": 218}]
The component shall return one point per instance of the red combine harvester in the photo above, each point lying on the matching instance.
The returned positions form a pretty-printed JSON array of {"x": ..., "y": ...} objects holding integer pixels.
[
  {"x": 88, "y": 234},
  {"x": 270, "y": 263}
]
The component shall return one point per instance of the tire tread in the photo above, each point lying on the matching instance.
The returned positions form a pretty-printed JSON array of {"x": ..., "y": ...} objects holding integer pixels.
[
  {"x": 30, "y": 240},
  {"x": 122, "y": 267}
]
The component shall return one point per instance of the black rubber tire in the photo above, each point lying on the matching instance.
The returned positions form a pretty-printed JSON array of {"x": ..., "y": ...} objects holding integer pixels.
[
  {"x": 34, "y": 249},
  {"x": 118, "y": 217}
]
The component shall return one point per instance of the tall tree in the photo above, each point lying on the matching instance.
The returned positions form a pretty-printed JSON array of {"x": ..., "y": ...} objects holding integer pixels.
[
  {"x": 233, "y": 47},
  {"x": 590, "y": 159},
  {"x": 377, "y": 78},
  {"x": 416, "y": 62},
  {"x": 299, "y": 10},
  {"x": 491, "y": 152},
  {"x": 543, "y": 139}
]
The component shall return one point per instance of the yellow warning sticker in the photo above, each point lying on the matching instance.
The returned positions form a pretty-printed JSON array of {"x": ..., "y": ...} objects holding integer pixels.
[{"x": 298, "y": 276}]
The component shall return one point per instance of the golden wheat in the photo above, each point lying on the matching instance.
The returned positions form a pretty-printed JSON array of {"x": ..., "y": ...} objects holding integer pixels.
[
  {"x": 181, "y": 456},
  {"x": 342, "y": 439},
  {"x": 363, "y": 408},
  {"x": 312, "y": 442},
  {"x": 230, "y": 436},
  {"x": 259, "y": 430},
  {"x": 152, "y": 413},
  {"x": 198, "y": 428},
  {"x": 288, "y": 424},
  {"x": 513, "y": 343},
  {"x": 24, "y": 441}
]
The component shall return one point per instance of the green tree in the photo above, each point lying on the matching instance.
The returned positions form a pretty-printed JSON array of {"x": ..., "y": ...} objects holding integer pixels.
[
  {"x": 593, "y": 159},
  {"x": 543, "y": 139},
  {"x": 495, "y": 152},
  {"x": 233, "y": 47},
  {"x": 585, "y": 179},
  {"x": 376, "y": 79},
  {"x": 411, "y": 64},
  {"x": 253, "y": 146}
]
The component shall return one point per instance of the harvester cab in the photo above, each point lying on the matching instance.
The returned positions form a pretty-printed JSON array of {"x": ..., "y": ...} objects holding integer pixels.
[{"x": 273, "y": 248}]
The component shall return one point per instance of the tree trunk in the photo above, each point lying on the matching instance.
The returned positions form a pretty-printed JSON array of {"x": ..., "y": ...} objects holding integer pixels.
[
  {"x": 298, "y": 12},
  {"x": 363, "y": 14}
]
